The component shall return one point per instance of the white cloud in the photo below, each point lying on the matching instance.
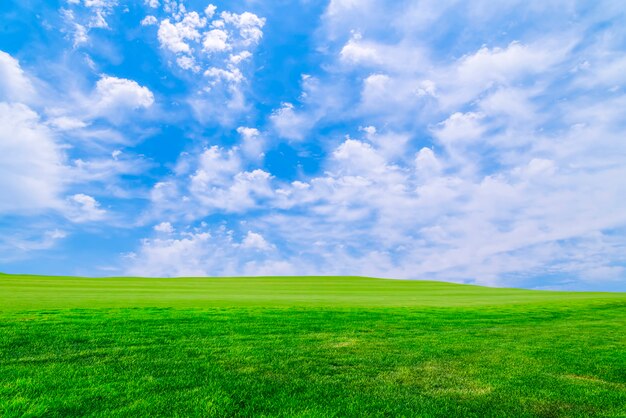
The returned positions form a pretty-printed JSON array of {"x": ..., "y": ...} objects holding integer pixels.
[
  {"x": 398, "y": 59},
  {"x": 100, "y": 3},
  {"x": 210, "y": 11},
  {"x": 113, "y": 97},
  {"x": 252, "y": 144},
  {"x": 243, "y": 192},
  {"x": 356, "y": 158},
  {"x": 216, "y": 166},
  {"x": 152, "y": 3},
  {"x": 231, "y": 75},
  {"x": 460, "y": 128},
  {"x": 512, "y": 103},
  {"x": 173, "y": 36},
  {"x": 149, "y": 21},
  {"x": 164, "y": 227},
  {"x": 393, "y": 146},
  {"x": 198, "y": 252},
  {"x": 32, "y": 171},
  {"x": 377, "y": 90},
  {"x": 19, "y": 243},
  {"x": 290, "y": 123},
  {"x": 255, "y": 241},
  {"x": 123, "y": 92},
  {"x": 238, "y": 58},
  {"x": 80, "y": 19},
  {"x": 356, "y": 51},
  {"x": 249, "y": 26},
  {"x": 507, "y": 64},
  {"x": 106, "y": 169},
  {"x": 215, "y": 40},
  {"x": 164, "y": 193},
  {"x": 187, "y": 63},
  {"x": 212, "y": 181},
  {"x": 426, "y": 164},
  {"x": 218, "y": 48},
  {"x": 66, "y": 123},
  {"x": 369, "y": 130},
  {"x": 84, "y": 208},
  {"x": 80, "y": 35},
  {"x": 426, "y": 88},
  {"x": 98, "y": 21},
  {"x": 207, "y": 42},
  {"x": 184, "y": 256},
  {"x": 14, "y": 84},
  {"x": 518, "y": 63}
]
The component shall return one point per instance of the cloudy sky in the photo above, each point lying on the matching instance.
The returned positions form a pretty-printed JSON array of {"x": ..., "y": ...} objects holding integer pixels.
[{"x": 479, "y": 142}]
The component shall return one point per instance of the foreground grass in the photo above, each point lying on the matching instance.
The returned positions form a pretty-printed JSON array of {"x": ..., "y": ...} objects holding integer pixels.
[{"x": 306, "y": 347}]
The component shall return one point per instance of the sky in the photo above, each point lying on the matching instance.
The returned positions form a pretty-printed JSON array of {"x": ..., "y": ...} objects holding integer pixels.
[{"x": 473, "y": 142}]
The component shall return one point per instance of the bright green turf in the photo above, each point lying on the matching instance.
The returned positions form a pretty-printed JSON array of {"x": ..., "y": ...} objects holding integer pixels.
[{"x": 333, "y": 346}]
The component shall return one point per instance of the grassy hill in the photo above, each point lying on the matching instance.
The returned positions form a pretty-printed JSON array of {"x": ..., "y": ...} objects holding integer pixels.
[{"x": 306, "y": 346}]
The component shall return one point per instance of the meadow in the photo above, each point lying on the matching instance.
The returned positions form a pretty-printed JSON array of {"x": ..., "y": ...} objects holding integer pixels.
[{"x": 306, "y": 347}]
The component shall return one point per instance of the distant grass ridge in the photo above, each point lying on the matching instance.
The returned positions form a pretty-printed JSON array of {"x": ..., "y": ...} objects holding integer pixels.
[
  {"x": 307, "y": 347},
  {"x": 49, "y": 292}
]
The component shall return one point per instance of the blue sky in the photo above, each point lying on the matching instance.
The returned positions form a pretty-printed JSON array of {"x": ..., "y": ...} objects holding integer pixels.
[{"x": 476, "y": 142}]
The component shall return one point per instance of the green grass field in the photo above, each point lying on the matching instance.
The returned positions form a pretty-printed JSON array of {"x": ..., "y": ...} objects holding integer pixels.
[{"x": 303, "y": 346}]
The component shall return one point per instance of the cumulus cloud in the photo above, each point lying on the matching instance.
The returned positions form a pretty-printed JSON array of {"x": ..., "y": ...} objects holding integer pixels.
[
  {"x": 291, "y": 124},
  {"x": 255, "y": 241},
  {"x": 164, "y": 227},
  {"x": 149, "y": 21},
  {"x": 357, "y": 157},
  {"x": 31, "y": 163},
  {"x": 218, "y": 48},
  {"x": 113, "y": 91},
  {"x": 249, "y": 25},
  {"x": 113, "y": 97},
  {"x": 187, "y": 63},
  {"x": 356, "y": 51},
  {"x": 497, "y": 64},
  {"x": 215, "y": 40},
  {"x": 184, "y": 256},
  {"x": 460, "y": 128},
  {"x": 14, "y": 84},
  {"x": 84, "y": 208},
  {"x": 240, "y": 194},
  {"x": 231, "y": 75},
  {"x": 214, "y": 181},
  {"x": 201, "y": 252},
  {"x": 216, "y": 166},
  {"x": 427, "y": 165},
  {"x": 209, "y": 11},
  {"x": 252, "y": 143},
  {"x": 207, "y": 42},
  {"x": 174, "y": 36}
]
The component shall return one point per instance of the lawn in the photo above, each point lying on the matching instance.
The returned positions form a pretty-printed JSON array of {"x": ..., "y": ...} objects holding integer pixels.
[{"x": 306, "y": 346}]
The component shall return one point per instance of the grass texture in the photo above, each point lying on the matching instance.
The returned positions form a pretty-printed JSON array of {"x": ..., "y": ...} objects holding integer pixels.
[{"x": 306, "y": 347}]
